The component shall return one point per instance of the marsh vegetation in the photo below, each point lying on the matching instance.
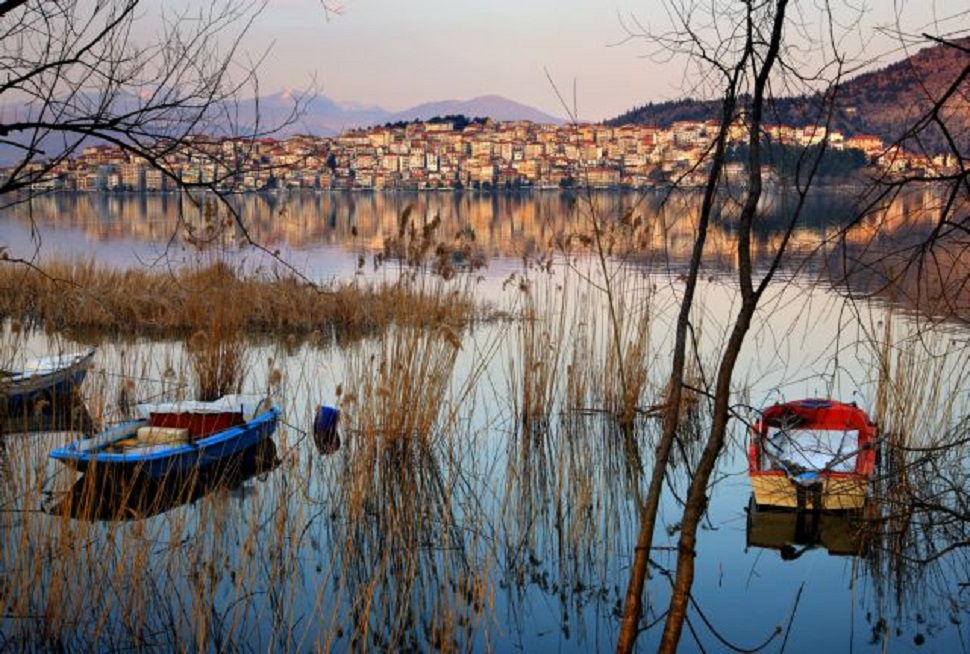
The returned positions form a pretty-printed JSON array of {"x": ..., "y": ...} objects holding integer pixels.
[{"x": 495, "y": 439}]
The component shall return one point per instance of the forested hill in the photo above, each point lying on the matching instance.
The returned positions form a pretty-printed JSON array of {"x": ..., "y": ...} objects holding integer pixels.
[{"x": 883, "y": 103}]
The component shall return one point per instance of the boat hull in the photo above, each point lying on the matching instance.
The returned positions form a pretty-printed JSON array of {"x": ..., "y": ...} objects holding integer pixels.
[
  {"x": 161, "y": 460},
  {"x": 829, "y": 494},
  {"x": 114, "y": 498},
  {"x": 53, "y": 385}
]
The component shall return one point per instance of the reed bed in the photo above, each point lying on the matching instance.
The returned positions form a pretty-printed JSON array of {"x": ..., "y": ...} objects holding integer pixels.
[
  {"x": 617, "y": 308},
  {"x": 544, "y": 310},
  {"x": 86, "y": 297},
  {"x": 454, "y": 515},
  {"x": 564, "y": 516},
  {"x": 918, "y": 518},
  {"x": 629, "y": 357},
  {"x": 576, "y": 387},
  {"x": 408, "y": 557},
  {"x": 217, "y": 349}
]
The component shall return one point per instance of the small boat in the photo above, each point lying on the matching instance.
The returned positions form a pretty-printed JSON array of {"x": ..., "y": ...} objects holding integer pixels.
[
  {"x": 175, "y": 437},
  {"x": 51, "y": 378},
  {"x": 813, "y": 453}
]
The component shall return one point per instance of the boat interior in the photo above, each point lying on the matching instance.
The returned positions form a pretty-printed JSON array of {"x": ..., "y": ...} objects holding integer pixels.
[{"x": 813, "y": 449}]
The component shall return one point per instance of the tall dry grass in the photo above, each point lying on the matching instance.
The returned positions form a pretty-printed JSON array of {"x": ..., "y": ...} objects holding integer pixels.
[
  {"x": 217, "y": 348},
  {"x": 407, "y": 562},
  {"x": 534, "y": 373},
  {"x": 87, "y": 297},
  {"x": 919, "y": 380},
  {"x": 917, "y": 516},
  {"x": 612, "y": 358},
  {"x": 630, "y": 362}
]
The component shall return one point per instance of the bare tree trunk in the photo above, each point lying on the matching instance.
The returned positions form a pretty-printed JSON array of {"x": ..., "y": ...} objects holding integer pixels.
[
  {"x": 760, "y": 68},
  {"x": 633, "y": 605},
  {"x": 697, "y": 494}
]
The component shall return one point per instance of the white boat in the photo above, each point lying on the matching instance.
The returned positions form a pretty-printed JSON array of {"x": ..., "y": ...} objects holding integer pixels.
[{"x": 51, "y": 378}]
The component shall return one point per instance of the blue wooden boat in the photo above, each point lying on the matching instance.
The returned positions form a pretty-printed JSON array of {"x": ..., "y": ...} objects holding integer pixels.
[
  {"x": 50, "y": 378},
  {"x": 175, "y": 437}
]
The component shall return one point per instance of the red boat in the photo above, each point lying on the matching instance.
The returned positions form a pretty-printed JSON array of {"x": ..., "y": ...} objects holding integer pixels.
[{"x": 812, "y": 454}]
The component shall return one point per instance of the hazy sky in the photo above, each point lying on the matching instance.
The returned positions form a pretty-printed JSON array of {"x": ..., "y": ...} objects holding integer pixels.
[{"x": 399, "y": 53}]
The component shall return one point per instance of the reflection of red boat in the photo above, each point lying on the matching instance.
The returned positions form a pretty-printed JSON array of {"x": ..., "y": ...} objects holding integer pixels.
[
  {"x": 813, "y": 453},
  {"x": 792, "y": 533}
]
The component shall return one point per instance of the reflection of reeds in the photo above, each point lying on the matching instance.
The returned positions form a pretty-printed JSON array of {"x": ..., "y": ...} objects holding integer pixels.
[
  {"x": 565, "y": 516},
  {"x": 918, "y": 517},
  {"x": 406, "y": 573}
]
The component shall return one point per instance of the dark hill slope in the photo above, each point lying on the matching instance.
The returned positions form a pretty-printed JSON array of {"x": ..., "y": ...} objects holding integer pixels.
[{"x": 884, "y": 102}]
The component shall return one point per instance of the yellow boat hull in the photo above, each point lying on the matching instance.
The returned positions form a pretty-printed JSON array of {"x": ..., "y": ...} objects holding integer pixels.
[{"x": 842, "y": 493}]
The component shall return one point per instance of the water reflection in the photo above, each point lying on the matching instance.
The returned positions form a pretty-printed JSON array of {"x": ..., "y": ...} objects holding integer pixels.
[
  {"x": 405, "y": 566},
  {"x": 337, "y": 234},
  {"x": 112, "y": 496},
  {"x": 445, "y": 520},
  {"x": 793, "y": 533},
  {"x": 504, "y": 226},
  {"x": 566, "y": 513},
  {"x": 68, "y": 414}
]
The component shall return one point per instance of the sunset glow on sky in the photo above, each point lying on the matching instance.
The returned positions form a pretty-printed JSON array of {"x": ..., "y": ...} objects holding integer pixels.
[{"x": 398, "y": 54}]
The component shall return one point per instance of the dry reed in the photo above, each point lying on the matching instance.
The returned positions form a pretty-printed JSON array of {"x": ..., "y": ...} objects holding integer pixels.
[
  {"x": 408, "y": 578},
  {"x": 919, "y": 500},
  {"x": 84, "y": 296},
  {"x": 534, "y": 374}
]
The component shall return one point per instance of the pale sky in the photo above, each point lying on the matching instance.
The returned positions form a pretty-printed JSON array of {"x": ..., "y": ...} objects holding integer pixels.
[{"x": 400, "y": 53}]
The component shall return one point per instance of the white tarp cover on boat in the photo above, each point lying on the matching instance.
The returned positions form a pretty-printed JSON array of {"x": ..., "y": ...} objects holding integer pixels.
[
  {"x": 51, "y": 363},
  {"x": 249, "y": 405},
  {"x": 815, "y": 449}
]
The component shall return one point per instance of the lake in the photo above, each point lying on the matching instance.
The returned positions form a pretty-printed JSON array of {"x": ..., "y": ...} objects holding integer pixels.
[{"x": 482, "y": 495}]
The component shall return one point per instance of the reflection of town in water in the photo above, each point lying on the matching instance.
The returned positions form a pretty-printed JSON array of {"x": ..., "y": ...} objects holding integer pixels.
[{"x": 502, "y": 225}]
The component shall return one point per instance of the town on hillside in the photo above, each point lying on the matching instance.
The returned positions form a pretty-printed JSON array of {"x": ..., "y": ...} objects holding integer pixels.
[{"x": 455, "y": 153}]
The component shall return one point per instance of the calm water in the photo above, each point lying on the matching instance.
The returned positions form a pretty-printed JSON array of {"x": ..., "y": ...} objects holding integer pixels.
[{"x": 483, "y": 532}]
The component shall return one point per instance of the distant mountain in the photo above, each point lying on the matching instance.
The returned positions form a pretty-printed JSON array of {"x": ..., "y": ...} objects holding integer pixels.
[
  {"x": 484, "y": 106},
  {"x": 882, "y": 103},
  {"x": 290, "y": 112},
  {"x": 323, "y": 116}
]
